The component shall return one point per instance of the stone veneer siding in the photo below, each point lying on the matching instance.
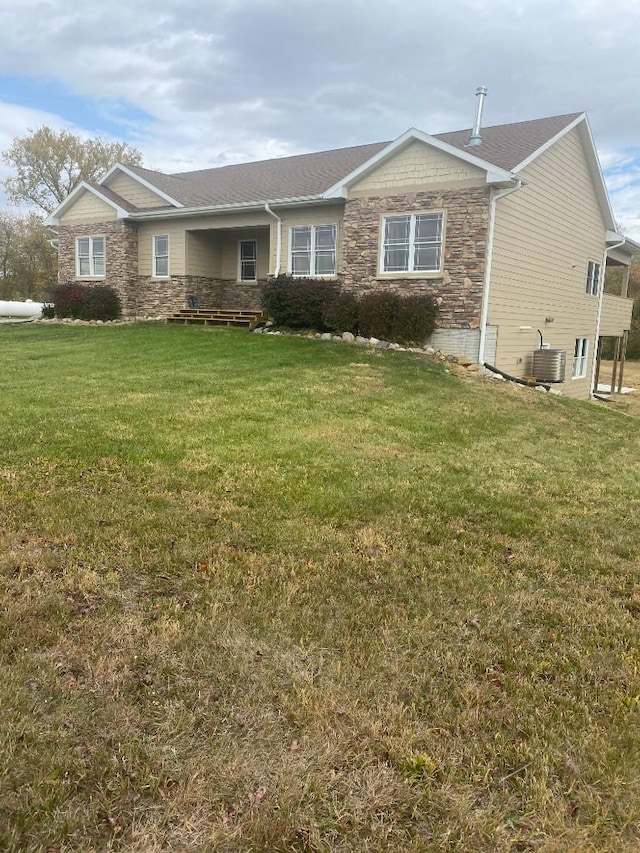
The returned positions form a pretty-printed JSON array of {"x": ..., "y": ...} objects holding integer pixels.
[
  {"x": 161, "y": 297},
  {"x": 459, "y": 289},
  {"x": 121, "y": 258},
  {"x": 144, "y": 296}
]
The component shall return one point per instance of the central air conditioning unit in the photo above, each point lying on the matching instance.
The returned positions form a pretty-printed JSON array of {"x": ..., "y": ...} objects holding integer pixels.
[{"x": 549, "y": 365}]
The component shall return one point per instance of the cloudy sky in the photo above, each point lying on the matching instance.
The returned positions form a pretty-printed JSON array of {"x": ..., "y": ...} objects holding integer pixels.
[{"x": 195, "y": 83}]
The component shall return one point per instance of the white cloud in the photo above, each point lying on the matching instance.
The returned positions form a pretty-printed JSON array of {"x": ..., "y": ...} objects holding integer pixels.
[{"x": 248, "y": 79}]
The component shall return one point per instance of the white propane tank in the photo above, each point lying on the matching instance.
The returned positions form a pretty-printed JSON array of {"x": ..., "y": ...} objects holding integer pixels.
[{"x": 21, "y": 309}]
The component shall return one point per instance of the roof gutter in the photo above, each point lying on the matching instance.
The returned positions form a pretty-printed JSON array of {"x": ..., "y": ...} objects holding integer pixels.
[
  {"x": 276, "y": 272},
  {"x": 243, "y": 207},
  {"x": 487, "y": 269},
  {"x": 592, "y": 390}
]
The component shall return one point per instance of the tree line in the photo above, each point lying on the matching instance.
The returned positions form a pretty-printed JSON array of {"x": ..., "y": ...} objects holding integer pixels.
[{"x": 46, "y": 166}]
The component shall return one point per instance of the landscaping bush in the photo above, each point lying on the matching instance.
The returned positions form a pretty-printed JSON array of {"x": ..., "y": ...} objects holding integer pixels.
[
  {"x": 305, "y": 303},
  {"x": 414, "y": 320},
  {"x": 393, "y": 317},
  {"x": 299, "y": 303},
  {"x": 377, "y": 311},
  {"x": 342, "y": 313},
  {"x": 101, "y": 303},
  {"x": 67, "y": 298},
  {"x": 85, "y": 302}
]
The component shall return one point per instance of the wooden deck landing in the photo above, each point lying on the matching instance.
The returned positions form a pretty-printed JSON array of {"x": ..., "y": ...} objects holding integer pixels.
[{"x": 219, "y": 317}]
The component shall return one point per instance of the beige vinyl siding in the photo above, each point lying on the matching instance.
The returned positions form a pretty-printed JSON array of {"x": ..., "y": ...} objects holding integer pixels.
[
  {"x": 176, "y": 234},
  {"x": 545, "y": 235},
  {"x": 203, "y": 254},
  {"x": 134, "y": 192},
  {"x": 231, "y": 248},
  {"x": 417, "y": 165},
  {"x": 88, "y": 208},
  {"x": 328, "y": 215},
  {"x": 616, "y": 315},
  {"x": 208, "y": 245}
]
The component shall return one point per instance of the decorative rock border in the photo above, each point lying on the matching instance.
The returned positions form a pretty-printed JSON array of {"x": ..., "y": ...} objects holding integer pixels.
[{"x": 375, "y": 343}]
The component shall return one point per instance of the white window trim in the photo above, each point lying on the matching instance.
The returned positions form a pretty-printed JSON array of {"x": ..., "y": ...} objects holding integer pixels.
[
  {"x": 255, "y": 243},
  {"x": 579, "y": 370},
  {"x": 154, "y": 257},
  {"x": 411, "y": 273},
  {"x": 312, "y": 264},
  {"x": 92, "y": 273},
  {"x": 593, "y": 282}
]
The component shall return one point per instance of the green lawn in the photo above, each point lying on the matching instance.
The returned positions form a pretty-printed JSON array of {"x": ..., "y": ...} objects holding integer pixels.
[{"x": 274, "y": 594}]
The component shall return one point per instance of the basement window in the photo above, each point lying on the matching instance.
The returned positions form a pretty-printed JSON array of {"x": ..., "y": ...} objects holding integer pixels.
[
  {"x": 90, "y": 261},
  {"x": 593, "y": 278},
  {"x": 313, "y": 250},
  {"x": 580, "y": 353},
  {"x": 412, "y": 243},
  {"x": 161, "y": 256}
]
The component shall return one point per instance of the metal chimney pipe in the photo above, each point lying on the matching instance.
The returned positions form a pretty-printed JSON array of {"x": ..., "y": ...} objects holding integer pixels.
[{"x": 476, "y": 139}]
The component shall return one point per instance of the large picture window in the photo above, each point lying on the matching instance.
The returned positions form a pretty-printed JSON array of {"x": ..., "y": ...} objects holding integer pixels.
[
  {"x": 90, "y": 257},
  {"x": 313, "y": 250},
  {"x": 412, "y": 243},
  {"x": 161, "y": 256}
]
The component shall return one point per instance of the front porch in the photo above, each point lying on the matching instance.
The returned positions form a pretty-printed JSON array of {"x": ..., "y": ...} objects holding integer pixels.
[
  {"x": 226, "y": 268},
  {"x": 210, "y": 269}
]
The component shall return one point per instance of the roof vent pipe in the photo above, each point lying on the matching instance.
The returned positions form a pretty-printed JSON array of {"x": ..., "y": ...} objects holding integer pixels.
[{"x": 476, "y": 139}]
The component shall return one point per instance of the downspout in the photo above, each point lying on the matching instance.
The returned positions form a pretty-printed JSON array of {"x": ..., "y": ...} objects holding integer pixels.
[
  {"x": 593, "y": 390},
  {"x": 487, "y": 270},
  {"x": 278, "y": 238}
]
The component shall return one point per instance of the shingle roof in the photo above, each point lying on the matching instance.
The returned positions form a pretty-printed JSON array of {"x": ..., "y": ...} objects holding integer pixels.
[
  {"x": 285, "y": 177},
  {"x": 114, "y": 197},
  {"x": 507, "y": 145},
  {"x": 304, "y": 175}
]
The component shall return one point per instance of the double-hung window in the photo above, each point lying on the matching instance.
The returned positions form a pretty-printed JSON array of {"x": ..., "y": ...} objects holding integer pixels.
[
  {"x": 248, "y": 261},
  {"x": 412, "y": 243},
  {"x": 161, "y": 256},
  {"x": 593, "y": 278},
  {"x": 90, "y": 257},
  {"x": 580, "y": 354},
  {"x": 313, "y": 250}
]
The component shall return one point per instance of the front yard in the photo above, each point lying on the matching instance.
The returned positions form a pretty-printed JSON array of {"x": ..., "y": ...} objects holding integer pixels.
[{"x": 275, "y": 594}]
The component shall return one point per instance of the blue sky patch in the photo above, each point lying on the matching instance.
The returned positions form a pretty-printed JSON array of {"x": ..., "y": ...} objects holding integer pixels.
[{"x": 103, "y": 117}]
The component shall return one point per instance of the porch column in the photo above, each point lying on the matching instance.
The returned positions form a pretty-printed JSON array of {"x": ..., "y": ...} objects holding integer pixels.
[
  {"x": 614, "y": 371},
  {"x": 623, "y": 356},
  {"x": 598, "y": 363}
]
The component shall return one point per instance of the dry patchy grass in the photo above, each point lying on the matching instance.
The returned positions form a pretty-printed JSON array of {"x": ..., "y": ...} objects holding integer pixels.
[{"x": 246, "y": 609}]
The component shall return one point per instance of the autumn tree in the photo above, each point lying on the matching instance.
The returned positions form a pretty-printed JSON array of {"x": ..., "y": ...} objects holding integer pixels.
[
  {"x": 28, "y": 262},
  {"x": 48, "y": 165}
]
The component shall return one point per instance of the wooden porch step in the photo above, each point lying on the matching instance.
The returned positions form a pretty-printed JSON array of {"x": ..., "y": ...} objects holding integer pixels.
[{"x": 219, "y": 317}]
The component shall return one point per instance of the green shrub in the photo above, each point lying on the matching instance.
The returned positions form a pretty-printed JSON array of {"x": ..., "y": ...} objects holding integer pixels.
[
  {"x": 393, "y": 317},
  {"x": 342, "y": 313},
  {"x": 85, "y": 301},
  {"x": 299, "y": 302},
  {"x": 414, "y": 320},
  {"x": 305, "y": 303},
  {"x": 101, "y": 303},
  {"x": 377, "y": 311}
]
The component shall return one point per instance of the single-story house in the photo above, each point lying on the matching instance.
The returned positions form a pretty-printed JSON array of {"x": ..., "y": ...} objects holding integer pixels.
[{"x": 510, "y": 231}]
